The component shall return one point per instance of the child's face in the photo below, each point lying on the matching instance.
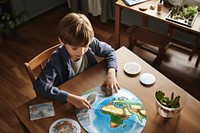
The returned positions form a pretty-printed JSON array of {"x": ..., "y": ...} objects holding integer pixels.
[{"x": 76, "y": 52}]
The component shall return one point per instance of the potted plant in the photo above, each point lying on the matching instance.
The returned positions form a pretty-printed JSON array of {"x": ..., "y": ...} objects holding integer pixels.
[
  {"x": 9, "y": 19},
  {"x": 170, "y": 100}
]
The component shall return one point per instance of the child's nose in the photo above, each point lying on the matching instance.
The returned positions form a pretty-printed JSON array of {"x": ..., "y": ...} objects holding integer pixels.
[{"x": 81, "y": 51}]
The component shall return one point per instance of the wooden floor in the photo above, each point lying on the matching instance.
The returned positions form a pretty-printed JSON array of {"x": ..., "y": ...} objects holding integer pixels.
[{"x": 40, "y": 33}]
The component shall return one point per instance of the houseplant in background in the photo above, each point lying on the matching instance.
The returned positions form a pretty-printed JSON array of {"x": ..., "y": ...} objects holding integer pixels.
[
  {"x": 9, "y": 19},
  {"x": 177, "y": 2}
]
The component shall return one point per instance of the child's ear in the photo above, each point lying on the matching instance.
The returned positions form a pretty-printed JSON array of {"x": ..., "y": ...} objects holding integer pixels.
[{"x": 60, "y": 40}]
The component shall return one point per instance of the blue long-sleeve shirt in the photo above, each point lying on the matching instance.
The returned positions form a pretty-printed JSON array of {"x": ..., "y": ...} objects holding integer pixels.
[{"x": 58, "y": 69}]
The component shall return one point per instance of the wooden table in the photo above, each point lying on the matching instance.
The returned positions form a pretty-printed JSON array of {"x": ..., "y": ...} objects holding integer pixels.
[
  {"x": 187, "y": 122},
  {"x": 195, "y": 29}
]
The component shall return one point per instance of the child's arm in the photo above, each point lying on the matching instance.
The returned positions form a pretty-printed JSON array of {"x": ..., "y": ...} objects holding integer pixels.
[
  {"x": 111, "y": 82},
  {"x": 78, "y": 101}
]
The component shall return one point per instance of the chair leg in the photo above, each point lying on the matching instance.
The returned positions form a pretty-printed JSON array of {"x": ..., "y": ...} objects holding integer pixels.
[
  {"x": 198, "y": 60},
  {"x": 194, "y": 48},
  {"x": 130, "y": 47},
  {"x": 132, "y": 42},
  {"x": 160, "y": 56},
  {"x": 192, "y": 53},
  {"x": 157, "y": 61}
]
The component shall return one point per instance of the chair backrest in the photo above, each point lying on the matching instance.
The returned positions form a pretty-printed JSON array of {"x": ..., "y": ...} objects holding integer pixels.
[{"x": 39, "y": 62}]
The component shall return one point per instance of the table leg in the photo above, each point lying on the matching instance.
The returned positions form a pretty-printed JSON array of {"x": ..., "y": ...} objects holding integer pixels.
[{"x": 117, "y": 26}]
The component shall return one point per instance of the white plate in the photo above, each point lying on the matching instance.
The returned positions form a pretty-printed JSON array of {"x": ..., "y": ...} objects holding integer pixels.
[
  {"x": 132, "y": 68},
  {"x": 147, "y": 79},
  {"x": 65, "y": 125}
]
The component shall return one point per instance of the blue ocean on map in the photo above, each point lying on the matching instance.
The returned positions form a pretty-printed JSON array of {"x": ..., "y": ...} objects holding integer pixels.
[{"x": 121, "y": 112}]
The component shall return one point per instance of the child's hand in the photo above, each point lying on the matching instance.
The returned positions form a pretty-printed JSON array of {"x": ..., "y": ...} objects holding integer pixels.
[
  {"x": 78, "y": 102},
  {"x": 111, "y": 82}
]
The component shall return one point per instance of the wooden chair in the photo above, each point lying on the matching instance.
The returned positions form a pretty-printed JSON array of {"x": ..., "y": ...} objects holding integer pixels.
[
  {"x": 191, "y": 48},
  {"x": 197, "y": 61},
  {"x": 39, "y": 62},
  {"x": 149, "y": 41}
]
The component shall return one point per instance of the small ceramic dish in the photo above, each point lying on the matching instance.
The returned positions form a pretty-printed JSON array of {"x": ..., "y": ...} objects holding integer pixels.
[
  {"x": 132, "y": 68},
  {"x": 147, "y": 79}
]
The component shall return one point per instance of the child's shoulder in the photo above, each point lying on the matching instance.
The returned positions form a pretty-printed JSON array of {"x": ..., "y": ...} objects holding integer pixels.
[
  {"x": 58, "y": 51},
  {"x": 60, "y": 54}
]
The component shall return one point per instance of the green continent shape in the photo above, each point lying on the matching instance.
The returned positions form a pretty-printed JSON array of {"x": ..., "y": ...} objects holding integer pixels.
[
  {"x": 126, "y": 108},
  {"x": 140, "y": 116},
  {"x": 133, "y": 107},
  {"x": 114, "y": 118}
]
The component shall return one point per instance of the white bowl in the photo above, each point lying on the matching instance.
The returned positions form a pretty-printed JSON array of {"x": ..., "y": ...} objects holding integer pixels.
[{"x": 177, "y": 2}]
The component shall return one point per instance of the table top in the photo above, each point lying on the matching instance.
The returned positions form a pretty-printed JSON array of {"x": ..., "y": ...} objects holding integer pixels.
[
  {"x": 187, "y": 121},
  {"x": 162, "y": 16}
]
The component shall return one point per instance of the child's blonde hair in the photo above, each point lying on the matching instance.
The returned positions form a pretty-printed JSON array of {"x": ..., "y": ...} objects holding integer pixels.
[{"x": 75, "y": 29}]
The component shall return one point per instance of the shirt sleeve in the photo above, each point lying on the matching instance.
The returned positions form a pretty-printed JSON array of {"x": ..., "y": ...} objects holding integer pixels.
[
  {"x": 102, "y": 49},
  {"x": 44, "y": 85}
]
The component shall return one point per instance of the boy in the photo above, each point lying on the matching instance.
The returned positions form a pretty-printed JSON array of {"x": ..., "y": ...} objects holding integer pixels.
[{"x": 76, "y": 54}]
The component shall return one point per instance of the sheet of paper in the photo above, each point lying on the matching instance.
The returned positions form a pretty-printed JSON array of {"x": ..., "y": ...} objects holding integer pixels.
[{"x": 42, "y": 110}]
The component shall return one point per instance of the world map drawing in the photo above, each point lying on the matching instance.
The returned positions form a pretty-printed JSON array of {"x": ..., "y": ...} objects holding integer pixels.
[{"x": 121, "y": 112}]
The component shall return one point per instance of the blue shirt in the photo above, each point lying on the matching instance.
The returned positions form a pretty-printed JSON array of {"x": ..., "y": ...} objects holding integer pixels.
[{"x": 58, "y": 69}]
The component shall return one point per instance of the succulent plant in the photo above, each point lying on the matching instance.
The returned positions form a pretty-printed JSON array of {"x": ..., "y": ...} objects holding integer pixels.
[{"x": 172, "y": 102}]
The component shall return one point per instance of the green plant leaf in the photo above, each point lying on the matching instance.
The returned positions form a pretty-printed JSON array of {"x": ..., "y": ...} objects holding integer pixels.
[
  {"x": 175, "y": 102},
  {"x": 159, "y": 95},
  {"x": 11, "y": 24},
  {"x": 10, "y": 20},
  {"x": 166, "y": 101}
]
